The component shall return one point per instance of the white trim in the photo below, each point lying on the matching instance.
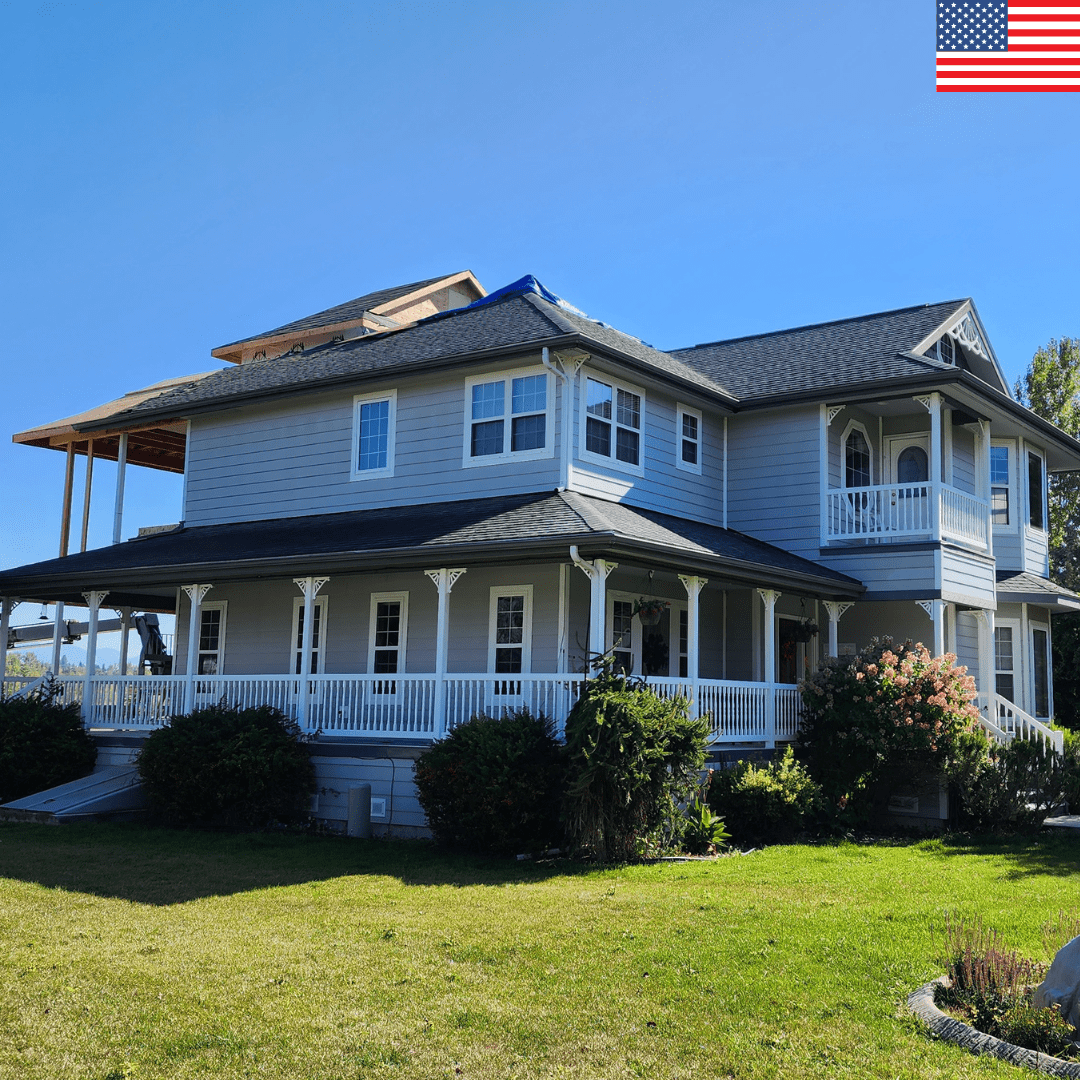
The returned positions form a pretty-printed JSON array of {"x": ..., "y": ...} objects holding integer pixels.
[
  {"x": 1014, "y": 501},
  {"x": 894, "y": 445},
  {"x": 611, "y": 462},
  {"x": 355, "y": 472},
  {"x": 212, "y": 605},
  {"x": 1034, "y": 625},
  {"x": 495, "y": 594},
  {"x": 389, "y": 597},
  {"x": 686, "y": 466},
  {"x": 507, "y": 379},
  {"x": 636, "y": 635},
  {"x": 851, "y": 426},
  {"x": 318, "y": 650},
  {"x": 1045, "y": 527},
  {"x": 1019, "y": 682}
]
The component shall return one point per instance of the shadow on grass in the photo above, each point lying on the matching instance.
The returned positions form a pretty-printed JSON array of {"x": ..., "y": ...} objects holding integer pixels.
[
  {"x": 1051, "y": 852},
  {"x": 150, "y": 865}
]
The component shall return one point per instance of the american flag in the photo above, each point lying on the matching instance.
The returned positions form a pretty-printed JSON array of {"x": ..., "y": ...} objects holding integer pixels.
[{"x": 1018, "y": 45}]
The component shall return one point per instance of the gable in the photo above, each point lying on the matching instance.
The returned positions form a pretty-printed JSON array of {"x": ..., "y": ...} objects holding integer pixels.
[{"x": 962, "y": 342}]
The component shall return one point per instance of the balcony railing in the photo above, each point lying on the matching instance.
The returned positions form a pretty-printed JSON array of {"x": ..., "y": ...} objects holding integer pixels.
[
  {"x": 897, "y": 511},
  {"x": 401, "y": 706}
]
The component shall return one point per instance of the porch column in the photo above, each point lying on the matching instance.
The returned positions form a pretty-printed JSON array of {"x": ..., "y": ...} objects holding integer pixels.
[
  {"x": 7, "y": 605},
  {"x": 58, "y": 637},
  {"x": 444, "y": 580},
  {"x": 93, "y": 602},
  {"x": 769, "y": 598},
  {"x": 597, "y": 572},
  {"x": 86, "y": 492},
  {"x": 932, "y": 404},
  {"x": 984, "y": 481},
  {"x": 121, "y": 471},
  {"x": 987, "y": 681},
  {"x": 195, "y": 594},
  {"x": 936, "y": 610},
  {"x": 310, "y": 587},
  {"x": 65, "y": 513},
  {"x": 693, "y": 586},
  {"x": 836, "y": 611},
  {"x": 125, "y": 633}
]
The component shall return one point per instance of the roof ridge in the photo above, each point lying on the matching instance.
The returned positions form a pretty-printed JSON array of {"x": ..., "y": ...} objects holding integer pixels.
[{"x": 816, "y": 326}]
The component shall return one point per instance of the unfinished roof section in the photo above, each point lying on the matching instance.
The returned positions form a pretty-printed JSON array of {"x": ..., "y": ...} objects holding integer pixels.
[
  {"x": 157, "y": 445},
  {"x": 517, "y": 322},
  {"x": 386, "y": 309},
  {"x": 819, "y": 359}
]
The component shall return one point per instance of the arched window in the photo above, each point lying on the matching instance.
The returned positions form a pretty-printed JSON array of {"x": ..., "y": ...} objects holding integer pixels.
[
  {"x": 856, "y": 459},
  {"x": 912, "y": 466}
]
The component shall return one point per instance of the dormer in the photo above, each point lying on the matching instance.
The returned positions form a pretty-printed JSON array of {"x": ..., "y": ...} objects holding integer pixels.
[
  {"x": 961, "y": 342},
  {"x": 373, "y": 313}
]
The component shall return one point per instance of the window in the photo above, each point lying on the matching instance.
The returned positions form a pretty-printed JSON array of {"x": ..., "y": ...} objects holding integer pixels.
[
  {"x": 211, "y": 659},
  {"x": 688, "y": 439},
  {"x": 1000, "y": 484},
  {"x": 856, "y": 458},
  {"x": 1040, "y": 656},
  {"x": 507, "y": 418},
  {"x": 1036, "y": 503},
  {"x": 912, "y": 466},
  {"x": 387, "y": 636},
  {"x": 613, "y": 419},
  {"x": 510, "y": 635},
  {"x": 318, "y": 629},
  {"x": 684, "y": 642},
  {"x": 623, "y": 641},
  {"x": 1003, "y": 662},
  {"x": 374, "y": 418}
]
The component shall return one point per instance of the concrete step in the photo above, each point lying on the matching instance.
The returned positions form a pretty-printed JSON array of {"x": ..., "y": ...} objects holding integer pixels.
[{"x": 110, "y": 790}]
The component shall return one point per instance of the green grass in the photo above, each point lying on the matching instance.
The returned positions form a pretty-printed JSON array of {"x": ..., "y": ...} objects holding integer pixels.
[{"x": 133, "y": 952}]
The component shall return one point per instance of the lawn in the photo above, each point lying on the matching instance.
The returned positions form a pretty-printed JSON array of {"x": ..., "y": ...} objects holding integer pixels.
[{"x": 134, "y": 952}]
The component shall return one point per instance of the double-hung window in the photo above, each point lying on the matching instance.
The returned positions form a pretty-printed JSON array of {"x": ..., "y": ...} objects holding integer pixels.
[
  {"x": 211, "y": 658},
  {"x": 1000, "y": 485},
  {"x": 688, "y": 439},
  {"x": 387, "y": 634},
  {"x": 374, "y": 418},
  {"x": 614, "y": 419},
  {"x": 318, "y": 635},
  {"x": 507, "y": 418},
  {"x": 510, "y": 636},
  {"x": 1036, "y": 490}
]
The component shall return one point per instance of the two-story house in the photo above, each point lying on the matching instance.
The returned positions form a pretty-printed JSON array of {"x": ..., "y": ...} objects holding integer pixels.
[{"x": 435, "y": 502}]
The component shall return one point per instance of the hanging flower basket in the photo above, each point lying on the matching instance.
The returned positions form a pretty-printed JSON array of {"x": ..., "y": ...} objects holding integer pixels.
[
  {"x": 805, "y": 631},
  {"x": 649, "y": 611}
]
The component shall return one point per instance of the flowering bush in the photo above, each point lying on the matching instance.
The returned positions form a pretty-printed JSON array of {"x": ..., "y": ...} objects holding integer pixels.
[{"x": 884, "y": 717}]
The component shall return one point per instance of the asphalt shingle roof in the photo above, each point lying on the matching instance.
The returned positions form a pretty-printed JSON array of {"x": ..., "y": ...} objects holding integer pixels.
[
  {"x": 351, "y": 309},
  {"x": 814, "y": 358},
  {"x": 1021, "y": 588},
  {"x": 543, "y": 519}
]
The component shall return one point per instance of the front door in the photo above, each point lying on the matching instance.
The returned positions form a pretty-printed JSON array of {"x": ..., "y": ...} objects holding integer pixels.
[{"x": 790, "y": 653}]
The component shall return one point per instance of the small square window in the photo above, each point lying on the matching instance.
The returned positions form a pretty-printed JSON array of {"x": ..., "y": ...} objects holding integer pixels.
[
  {"x": 373, "y": 435},
  {"x": 613, "y": 423}
]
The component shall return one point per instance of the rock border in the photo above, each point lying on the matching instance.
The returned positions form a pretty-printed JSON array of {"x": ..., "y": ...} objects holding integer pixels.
[{"x": 921, "y": 1003}]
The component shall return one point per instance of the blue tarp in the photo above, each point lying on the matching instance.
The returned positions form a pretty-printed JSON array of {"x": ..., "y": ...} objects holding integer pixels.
[{"x": 526, "y": 284}]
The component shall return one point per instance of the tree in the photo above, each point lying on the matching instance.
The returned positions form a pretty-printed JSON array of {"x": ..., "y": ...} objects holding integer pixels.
[{"x": 1051, "y": 388}]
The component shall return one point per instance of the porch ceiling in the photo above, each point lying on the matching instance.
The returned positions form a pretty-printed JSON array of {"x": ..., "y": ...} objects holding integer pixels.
[{"x": 538, "y": 527}]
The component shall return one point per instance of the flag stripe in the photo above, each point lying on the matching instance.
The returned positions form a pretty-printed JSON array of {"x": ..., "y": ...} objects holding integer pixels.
[
  {"x": 946, "y": 88},
  {"x": 1032, "y": 63}
]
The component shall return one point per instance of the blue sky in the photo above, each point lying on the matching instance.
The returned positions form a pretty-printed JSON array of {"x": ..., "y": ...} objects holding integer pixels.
[{"x": 180, "y": 175}]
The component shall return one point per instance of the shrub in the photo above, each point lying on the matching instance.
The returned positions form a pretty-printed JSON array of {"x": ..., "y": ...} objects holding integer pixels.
[
  {"x": 634, "y": 758},
  {"x": 42, "y": 743},
  {"x": 494, "y": 784},
  {"x": 228, "y": 766},
  {"x": 703, "y": 832},
  {"x": 883, "y": 718},
  {"x": 1011, "y": 788},
  {"x": 767, "y": 804}
]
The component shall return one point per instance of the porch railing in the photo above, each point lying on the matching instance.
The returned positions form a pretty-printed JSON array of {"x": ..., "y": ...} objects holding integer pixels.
[
  {"x": 405, "y": 705},
  {"x": 894, "y": 511},
  {"x": 1004, "y": 721}
]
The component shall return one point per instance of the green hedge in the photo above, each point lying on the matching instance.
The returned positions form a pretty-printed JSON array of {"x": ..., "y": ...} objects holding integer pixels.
[{"x": 228, "y": 766}]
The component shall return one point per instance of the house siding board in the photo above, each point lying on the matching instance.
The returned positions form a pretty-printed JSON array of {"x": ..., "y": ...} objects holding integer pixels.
[
  {"x": 886, "y": 568},
  {"x": 772, "y": 479},
  {"x": 963, "y": 469},
  {"x": 663, "y": 487},
  {"x": 740, "y": 645},
  {"x": 901, "y": 620},
  {"x": 966, "y": 578},
  {"x": 1035, "y": 552},
  {"x": 390, "y": 779},
  {"x": 1008, "y": 550},
  {"x": 967, "y": 645},
  {"x": 293, "y": 459}
]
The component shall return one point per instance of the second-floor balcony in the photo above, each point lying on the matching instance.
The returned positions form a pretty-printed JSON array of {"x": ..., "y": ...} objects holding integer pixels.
[{"x": 920, "y": 511}]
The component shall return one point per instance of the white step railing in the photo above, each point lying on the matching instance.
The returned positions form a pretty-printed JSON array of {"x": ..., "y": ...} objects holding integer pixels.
[
  {"x": 893, "y": 511},
  {"x": 13, "y": 686},
  {"x": 405, "y": 705},
  {"x": 1005, "y": 721}
]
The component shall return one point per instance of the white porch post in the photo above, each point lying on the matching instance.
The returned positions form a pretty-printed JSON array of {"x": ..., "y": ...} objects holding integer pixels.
[
  {"x": 562, "y": 664},
  {"x": 58, "y": 637},
  {"x": 987, "y": 682},
  {"x": 93, "y": 601},
  {"x": 121, "y": 471},
  {"x": 597, "y": 573},
  {"x": 836, "y": 611},
  {"x": 7, "y": 605},
  {"x": 693, "y": 586},
  {"x": 936, "y": 610},
  {"x": 444, "y": 581},
  {"x": 310, "y": 587},
  {"x": 769, "y": 598},
  {"x": 195, "y": 594},
  {"x": 984, "y": 482},
  {"x": 125, "y": 633},
  {"x": 932, "y": 404}
]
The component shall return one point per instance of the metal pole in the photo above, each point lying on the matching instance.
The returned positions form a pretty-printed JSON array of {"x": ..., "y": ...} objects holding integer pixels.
[
  {"x": 125, "y": 632},
  {"x": 86, "y": 492},
  {"x": 121, "y": 472}
]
